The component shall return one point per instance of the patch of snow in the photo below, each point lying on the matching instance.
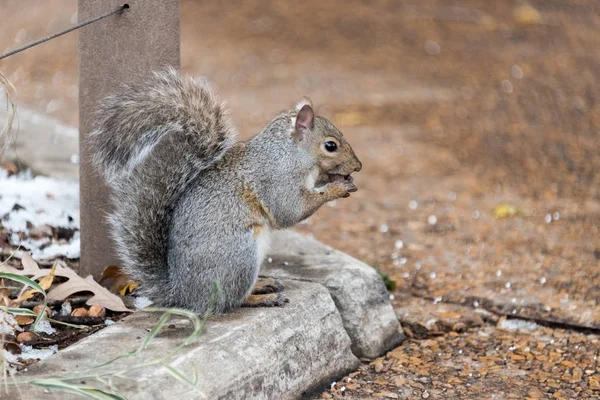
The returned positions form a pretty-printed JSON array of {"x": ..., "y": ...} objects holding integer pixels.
[
  {"x": 45, "y": 327},
  {"x": 44, "y": 201},
  {"x": 10, "y": 357},
  {"x": 66, "y": 308},
  {"x": 141, "y": 302},
  {"x": 8, "y": 323},
  {"x": 518, "y": 324},
  {"x": 108, "y": 322},
  {"x": 70, "y": 250},
  {"x": 29, "y": 353}
]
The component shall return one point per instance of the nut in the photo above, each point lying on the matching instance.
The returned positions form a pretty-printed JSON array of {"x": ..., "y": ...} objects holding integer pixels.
[
  {"x": 47, "y": 310},
  {"x": 26, "y": 337},
  {"x": 97, "y": 311},
  {"x": 79, "y": 312}
]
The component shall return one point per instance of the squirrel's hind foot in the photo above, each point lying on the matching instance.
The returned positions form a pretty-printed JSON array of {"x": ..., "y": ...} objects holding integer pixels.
[
  {"x": 266, "y": 285},
  {"x": 266, "y": 300}
]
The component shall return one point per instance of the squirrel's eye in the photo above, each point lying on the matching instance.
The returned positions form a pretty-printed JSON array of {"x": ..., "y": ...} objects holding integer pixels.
[{"x": 330, "y": 146}]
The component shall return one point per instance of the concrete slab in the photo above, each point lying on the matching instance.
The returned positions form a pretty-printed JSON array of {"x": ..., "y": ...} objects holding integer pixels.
[
  {"x": 43, "y": 143},
  {"x": 262, "y": 353},
  {"x": 358, "y": 291}
]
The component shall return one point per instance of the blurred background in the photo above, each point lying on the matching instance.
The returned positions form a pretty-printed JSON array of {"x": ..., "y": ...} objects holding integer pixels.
[
  {"x": 476, "y": 121},
  {"x": 454, "y": 107}
]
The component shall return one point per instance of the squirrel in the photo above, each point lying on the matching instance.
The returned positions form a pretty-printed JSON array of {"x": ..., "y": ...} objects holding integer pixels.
[{"x": 194, "y": 205}]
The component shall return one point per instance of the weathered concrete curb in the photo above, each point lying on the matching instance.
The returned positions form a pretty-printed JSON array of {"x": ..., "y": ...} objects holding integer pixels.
[
  {"x": 44, "y": 144},
  {"x": 358, "y": 291},
  {"x": 262, "y": 353},
  {"x": 338, "y": 312}
]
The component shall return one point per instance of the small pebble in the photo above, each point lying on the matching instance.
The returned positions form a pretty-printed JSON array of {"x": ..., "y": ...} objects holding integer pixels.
[
  {"x": 516, "y": 72},
  {"x": 432, "y": 47}
]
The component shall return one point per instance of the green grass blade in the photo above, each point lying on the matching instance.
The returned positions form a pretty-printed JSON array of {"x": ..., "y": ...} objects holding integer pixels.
[
  {"x": 31, "y": 283},
  {"x": 182, "y": 378},
  {"x": 24, "y": 280},
  {"x": 18, "y": 311},
  {"x": 161, "y": 322}
]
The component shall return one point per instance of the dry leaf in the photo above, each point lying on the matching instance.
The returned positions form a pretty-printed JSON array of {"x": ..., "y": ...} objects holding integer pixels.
[
  {"x": 5, "y": 299},
  {"x": 506, "y": 211},
  {"x": 128, "y": 288},
  {"x": 75, "y": 283},
  {"x": 101, "y": 297},
  {"x": 122, "y": 283},
  {"x": 110, "y": 272},
  {"x": 45, "y": 283}
]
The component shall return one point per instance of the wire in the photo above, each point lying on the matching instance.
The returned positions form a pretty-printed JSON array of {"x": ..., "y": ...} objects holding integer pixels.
[{"x": 122, "y": 8}]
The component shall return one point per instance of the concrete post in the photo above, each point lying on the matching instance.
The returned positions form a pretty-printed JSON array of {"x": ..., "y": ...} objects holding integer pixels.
[{"x": 112, "y": 51}]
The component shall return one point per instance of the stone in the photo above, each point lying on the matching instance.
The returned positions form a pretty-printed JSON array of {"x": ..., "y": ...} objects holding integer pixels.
[
  {"x": 357, "y": 289},
  {"x": 260, "y": 353}
]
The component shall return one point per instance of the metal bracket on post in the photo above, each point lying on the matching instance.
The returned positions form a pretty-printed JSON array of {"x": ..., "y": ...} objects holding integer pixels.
[{"x": 118, "y": 49}]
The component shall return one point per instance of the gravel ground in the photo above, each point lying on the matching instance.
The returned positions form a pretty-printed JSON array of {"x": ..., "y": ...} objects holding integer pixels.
[{"x": 477, "y": 123}]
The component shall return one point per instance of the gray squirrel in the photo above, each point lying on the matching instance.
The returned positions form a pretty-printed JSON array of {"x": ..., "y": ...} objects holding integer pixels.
[{"x": 193, "y": 205}]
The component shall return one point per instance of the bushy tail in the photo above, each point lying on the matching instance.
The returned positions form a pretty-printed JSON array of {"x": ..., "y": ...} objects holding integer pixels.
[{"x": 149, "y": 144}]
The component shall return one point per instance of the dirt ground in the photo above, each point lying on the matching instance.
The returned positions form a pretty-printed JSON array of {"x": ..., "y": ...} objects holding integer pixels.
[{"x": 463, "y": 112}]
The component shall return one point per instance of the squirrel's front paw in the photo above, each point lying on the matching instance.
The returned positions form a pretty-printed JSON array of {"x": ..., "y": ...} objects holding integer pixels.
[{"x": 342, "y": 186}]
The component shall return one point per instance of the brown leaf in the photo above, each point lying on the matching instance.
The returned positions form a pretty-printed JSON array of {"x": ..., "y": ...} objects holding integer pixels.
[
  {"x": 75, "y": 283},
  {"x": 45, "y": 283},
  {"x": 128, "y": 288},
  {"x": 112, "y": 271},
  {"x": 5, "y": 297},
  {"x": 122, "y": 283}
]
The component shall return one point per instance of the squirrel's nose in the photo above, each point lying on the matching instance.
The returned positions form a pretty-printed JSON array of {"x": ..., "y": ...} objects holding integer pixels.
[{"x": 358, "y": 167}]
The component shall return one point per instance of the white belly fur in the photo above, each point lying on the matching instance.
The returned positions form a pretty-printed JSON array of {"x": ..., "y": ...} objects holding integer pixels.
[{"x": 263, "y": 244}]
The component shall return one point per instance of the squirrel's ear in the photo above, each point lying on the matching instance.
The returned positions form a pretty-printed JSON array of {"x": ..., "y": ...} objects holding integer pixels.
[
  {"x": 304, "y": 120},
  {"x": 304, "y": 101}
]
